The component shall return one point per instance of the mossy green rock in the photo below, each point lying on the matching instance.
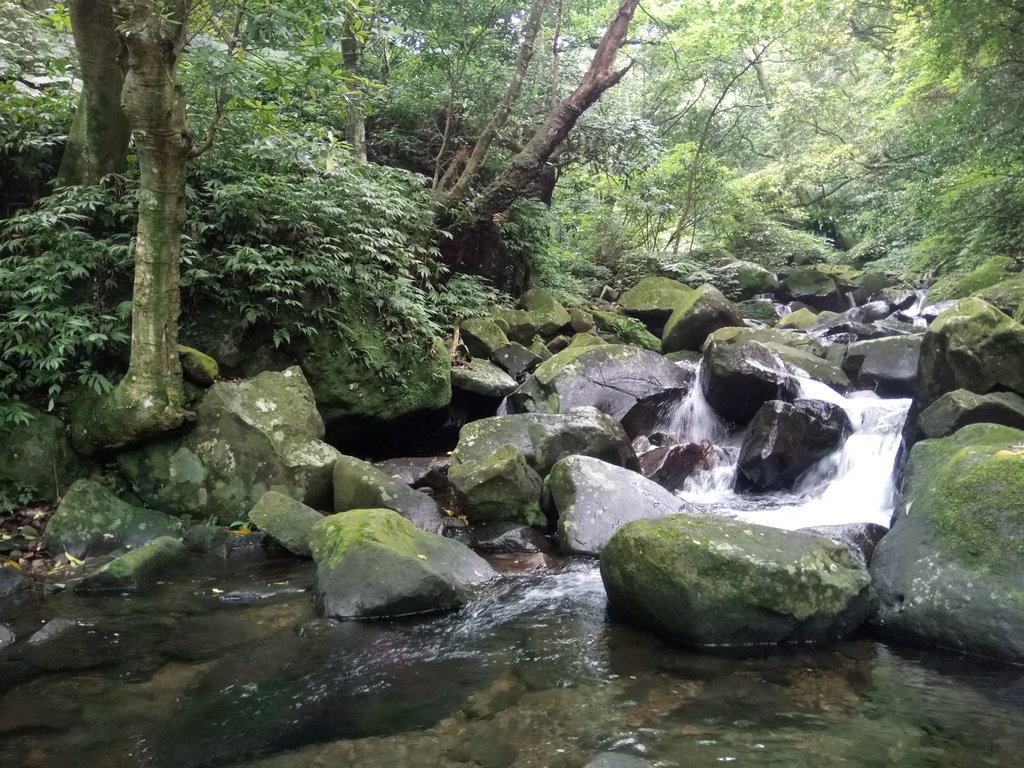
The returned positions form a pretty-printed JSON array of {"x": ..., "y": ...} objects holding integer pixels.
[
  {"x": 482, "y": 336},
  {"x": 759, "y": 310},
  {"x": 594, "y": 499},
  {"x": 373, "y": 563},
  {"x": 501, "y": 487},
  {"x": 286, "y": 520},
  {"x": 815, "y": 287},
  {"x": 366, "y": 377},
  {"x": 950, "y": 572},
  {"x": 91, "y": 520},
  {"x": 137, "y": 569},
  {"x": 700, "y": 314},
  {"x": 545, "y": 438},
  {"x": 585, "y": 340},
  {"x": 959, "y": 408},
  {"x": 626, "y": 330},
  {"x": 971, "y": 346},
  {"x": 542, "y": 315},
  {"x": 360, "y": 485},
  {"x": 249, "y": 437},
  {"x": 482, "y": 377},
  {"x": 749, "y": 280},
  {"x": 778, "y": 337},
  {"x": 959, "y": 286},
  {"x": 653, "y": 300},
  {"x": 37, "y": 459},
  {"x": 198, "y": 367},
  {"x": 1006, "y": 296},
  {"x": 709, "y": 582},
  {"x": 801, "y": 318}
]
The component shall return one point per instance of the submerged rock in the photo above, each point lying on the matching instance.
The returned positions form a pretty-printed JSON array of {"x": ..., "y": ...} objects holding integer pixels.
[
  {"x": 701, "y": 313},
  {"x": 360, "y": 485},
  {"x": 710, "y": 582},
  {"x": 950, "y": 570},
  {"x": 373, "y": 563},
  {"x": 136, "y": 569},
  {"x": 287, "y": 521},
  {"x": 91, "y": 520},
  {"x": 594, "y": 499}
]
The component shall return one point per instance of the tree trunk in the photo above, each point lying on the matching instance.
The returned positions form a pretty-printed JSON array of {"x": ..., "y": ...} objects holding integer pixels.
[
  {"x": 355, "y": 118},
  {"x": 100, "y": 132},
  {"x": 472, "y": 248}
]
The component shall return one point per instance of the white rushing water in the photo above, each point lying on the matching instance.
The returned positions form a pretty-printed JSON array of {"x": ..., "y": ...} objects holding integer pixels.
[{"x": 853, "y": 485}]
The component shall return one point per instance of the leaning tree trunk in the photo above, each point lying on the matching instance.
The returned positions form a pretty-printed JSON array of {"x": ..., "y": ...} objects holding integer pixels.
[
  {"x": 99, "y": 133},
  {"x": 148, "y": 400},
  {"x": 476, "y": 244}
]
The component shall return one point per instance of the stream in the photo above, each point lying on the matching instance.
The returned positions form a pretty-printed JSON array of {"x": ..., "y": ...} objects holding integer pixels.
[{"x": 225, "y": 663}]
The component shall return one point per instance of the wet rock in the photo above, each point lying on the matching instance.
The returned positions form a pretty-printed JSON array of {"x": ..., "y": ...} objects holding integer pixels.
[
  {"x": 861, "y": 538},
  {"x": 419, "y": 471},
  {"x": 710, "y": 582},
  {"x": 701, "y": 313},
  {"x": 655, "y": 413},
  {"x": 738, "y": 378},
  {"x": 91, "y": 520},
  {"x": 807, "y": 365},
  {"x": 959, "y": 408},
  {"x": 594, "y": 499},
  {"x": 815, "y": 288},
  {"x": 971, "y": 346},
  {"x": 501, "y": 538},
  {"x": 13, "y": 583},
  {"x": 56, "y": 628},
  {"x": 653, "y": 300},
  {"x": 614, "y": 760},
  {"x": 545, "y": 438},
  {"x": 772, "y": 338},
  {"x": 482, "y": 336},
  {"x": 670, "y": 465},
  {"x": 483, "y": 377},
  {"x": 7, "y": 637},
  {"x": 885, "y": 366},
  {"x": 37, "y": 458},
  {"x": 930, "y": 312},
  {"x": 249, "y": 437},
  {"x": 516, "y": 359},
  {"x": 360, "y": 485},
  {"x": 784, "y": 440},
  {"x": 288, "y": 521},
  {"x": 626, "y": 330},
  {"x": 137, "y": 569},
  {"x": 949, "y": 571},
  {"x": 609, "y": 377},
  {"x": 498, "y": 487},
  {"x": 373, "y": 563},
  {"x": 218, "y": 541}
]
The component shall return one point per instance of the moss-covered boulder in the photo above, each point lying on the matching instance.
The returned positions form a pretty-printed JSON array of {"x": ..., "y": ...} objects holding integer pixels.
[
  {"x": 959, "y": 408},
  {"x": 482, "y": 377},
  {"x": 626, "y": 330},
  {"x": 886, "y": 366},
  {"x": 784, "y": 440},
  {"x": 960, "y": 285},
  {"x": 709, "y": 582},
  {"x": 871, "y": 286},
  {"x": 971, "y": 346},
  {"x": 369, "y": 377},
  {"x": 360, "y": 485},
  {"x": 653, "y": 300},
  {"x": 749, "y": 280},
  {"x": 759, "y": 310},
  {"x": 950, "y": 572},
  {"x": 593, "y": 499},
  {"x": 773, "y": 337},
  {"x": 541, "y": 315},
  {"x": 482, "y": 336},
  {"x": 700, "y": 313},
  {"x": 814, "y": 286},
  {"x": 91, "y": 520},
  {"x": 286, "y": 520},
  {"x": 248, "y": 438},
  {"x": 373, "y": 563},
  {"x": 811, "y": 366},
  {"x": 739, "y": 377},
  {"x": 609, "y": 377},
  {"x": 36, "y": 459},
  {"x": 198, "y": 367},
  {"x": 801, "y": 318},
  {"x": 1007, "y": 296},
  {"x": 137, "y": 569},
  {"x": 545, "y": 438},
  {"x": 500, "y": 487}
]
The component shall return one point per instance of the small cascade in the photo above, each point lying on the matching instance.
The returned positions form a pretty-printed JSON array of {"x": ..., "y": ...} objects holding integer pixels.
[{"x": 695, "y": 420}]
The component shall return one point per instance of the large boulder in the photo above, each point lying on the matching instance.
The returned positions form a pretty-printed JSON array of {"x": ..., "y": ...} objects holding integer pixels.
[
  {"x": 249, "y": 437},
  {"x": 500, "y": 487},
  {"x": 360, "y": 485},
  {"x": 482, "y": 336},
  {"x": 286, "y": 520},
  {"x": 482, "y": 377},
  {"x": 959, "y": 408},
  {"x": 368, "y": 377},
  {"x": 749, "y": 280},
  {"x": 609, "y": 377},
  {"x": 136, "y": 569},
  {"x": 594, "y": 499},
  {"x": 541, "y": 315},
  {"x": 738, "y": 378},
  {"x": 373, "y": 563},
  {"x": 814, "y": 287},
  {"x": 653, "y": 300},
  {"x": 784, "y": 440},
  {"x": 36, "y": 459},
  {"x": 1006, "y": 296},
  {"x": 626, "y": 330},
  {"x": 971, "y": 346},
  {"x": 699, "y": 314},
  {"x": 886, "y": 366},
  {"x": 91, "y": 520},
  {"x": 950, "y": 572},
  {"x": 710, "y": 582},
  {"x": 960, "y": 285},
  {"x": 545, "y": 438}
]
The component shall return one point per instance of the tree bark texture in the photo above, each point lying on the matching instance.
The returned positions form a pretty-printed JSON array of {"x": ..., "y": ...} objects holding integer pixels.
[
  {"x": 355, "y": 118},
  {"x": 99, "y": 134}
]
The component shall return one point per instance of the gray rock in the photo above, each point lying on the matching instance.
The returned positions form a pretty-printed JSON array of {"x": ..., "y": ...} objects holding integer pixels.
[
  {"x": 500, "y": 538},
  {"x": 709, "y": 582},
  {"x": 887, "y": 366},
  {"x": 482, "y": 377},
  {"x": 515, "y": 359},
  {"x": 13, "y": 583},
  {"x": 594, "y": 499},
  {"x": 861, "y": 538},
  {"x": 373, "y": 563},
  {"x": 482, "y": 336},
  {"x": 738, "y": 378},
  {"x": 499, "y": 487},
  {"x": 812, "y": 287},
  {"x": 288, "y": 521},
  {"x": 653, "y": 300},
  {"x": 37, "y": 458},
  {"x": 137, "y": 569},
  {"x": 91, "y": 520},
  {"x": 959, "y": 408},
  {"x": 360, "y": 485},
  {"x": 218, "y": 541},
  {"x": 7, "y": 637},
  {"x": 56, "y": 628},
  {"x": 701, "y": 313},
  {"x": 417, "y": 471}
]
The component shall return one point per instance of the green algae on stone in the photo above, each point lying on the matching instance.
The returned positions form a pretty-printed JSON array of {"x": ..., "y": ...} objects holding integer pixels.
[
  {"x": 627, "y": 330},
  {"x": 198, "y": 367},
  {"x": 37, "y": 459},
  {"x": 136, "y": 569},
  {"x": 960, "y": 285},
  {"x": 699, "y": 314},
  {"x": 499, "y": 487},
  {"x": 759, "y": 310}
]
